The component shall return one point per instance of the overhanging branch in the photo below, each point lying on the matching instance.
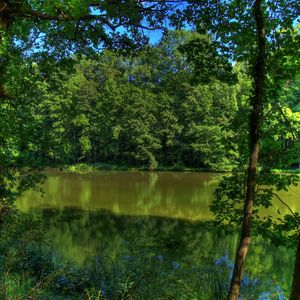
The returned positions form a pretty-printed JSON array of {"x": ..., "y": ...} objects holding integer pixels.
[{"x": 32, "y": 14}]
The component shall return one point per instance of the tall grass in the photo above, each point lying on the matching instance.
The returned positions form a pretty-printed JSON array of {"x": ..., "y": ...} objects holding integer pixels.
[{"x": 29, "y": 269}]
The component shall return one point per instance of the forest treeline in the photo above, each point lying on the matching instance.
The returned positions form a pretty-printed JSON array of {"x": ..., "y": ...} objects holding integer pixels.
[
  {"x": 229, "y": 98},
  {"x": 145, "y": 109}
]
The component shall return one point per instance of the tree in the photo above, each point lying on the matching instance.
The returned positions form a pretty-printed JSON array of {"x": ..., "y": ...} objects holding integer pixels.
[
  {"x": 19, "y": 136},
  {"x": 259, "y": 81},
  {"x": 59, "y": 29},
  {"x": 236, "y": 26},
  {"x": 134, "y": 109}
]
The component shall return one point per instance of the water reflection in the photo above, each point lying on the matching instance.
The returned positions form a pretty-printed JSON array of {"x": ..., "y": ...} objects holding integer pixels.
[
  {"x": 80, "y": 235},
  {"x": 114, "y": 214},
  {"x": 168, "y": 194}
]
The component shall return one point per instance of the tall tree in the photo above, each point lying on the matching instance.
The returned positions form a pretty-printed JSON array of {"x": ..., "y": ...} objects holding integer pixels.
[
  {"x": 140, "y": 109},
  {"x": 295, "y": 293},
  {"x": 236, "y": 26},
  {"x": 60, "y": 28},
  {"x": 254, "y": 137}
]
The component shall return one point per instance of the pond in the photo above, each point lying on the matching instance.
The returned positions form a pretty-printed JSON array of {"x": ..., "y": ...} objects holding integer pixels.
[{"x": 117, "y": 214}]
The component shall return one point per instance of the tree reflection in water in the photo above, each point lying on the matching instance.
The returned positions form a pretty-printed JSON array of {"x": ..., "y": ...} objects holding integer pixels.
[
  {"x": 148, "y": 244},
  {"x": 152, "y": 230}
]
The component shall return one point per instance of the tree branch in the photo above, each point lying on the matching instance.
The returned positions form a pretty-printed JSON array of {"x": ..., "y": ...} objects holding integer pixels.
[
  {"x": 288, "y": 122},
  {"x": 286, "y": 205},
  {"x": 32, "y": 14}
]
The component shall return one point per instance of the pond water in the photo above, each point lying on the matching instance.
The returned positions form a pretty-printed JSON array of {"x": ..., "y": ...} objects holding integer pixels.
[{"x": 112, "y": 214}]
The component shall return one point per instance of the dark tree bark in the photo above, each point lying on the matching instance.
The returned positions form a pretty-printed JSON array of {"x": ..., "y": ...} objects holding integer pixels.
[
  {"x": 295, "y": 294},
  {"x": 4, "y": 24},
  {"x": 254, "y": 137}
]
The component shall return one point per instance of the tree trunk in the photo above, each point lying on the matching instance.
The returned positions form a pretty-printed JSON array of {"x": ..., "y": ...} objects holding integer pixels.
[
  {"x": 295, "y": 294},
  {"x": 2, "y": 192},
  {"x": 5, "y": 22},
  {"x": 257, "y": 100},
  {"x": 2, "y": 66}
]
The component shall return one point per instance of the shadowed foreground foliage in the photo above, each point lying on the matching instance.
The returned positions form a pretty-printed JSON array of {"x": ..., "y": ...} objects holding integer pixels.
[{"x": 144, "y": 267}]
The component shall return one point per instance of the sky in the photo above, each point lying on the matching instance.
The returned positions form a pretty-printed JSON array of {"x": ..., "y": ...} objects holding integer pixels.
[{"x": 153, "y": 35}]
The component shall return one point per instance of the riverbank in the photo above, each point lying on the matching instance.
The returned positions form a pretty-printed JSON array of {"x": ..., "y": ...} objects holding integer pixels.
[
  {"x": 287, "y": 171},
  {"x": 122, "y": 250},
  {"x": 29, "y": 268},
  {"x": 86, "y": 168}
]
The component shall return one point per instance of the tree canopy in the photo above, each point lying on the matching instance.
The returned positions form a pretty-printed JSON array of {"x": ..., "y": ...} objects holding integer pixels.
[{"x": 165, "y": 104}]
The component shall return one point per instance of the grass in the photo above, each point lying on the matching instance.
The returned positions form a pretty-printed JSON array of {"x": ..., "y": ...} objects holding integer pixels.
[
  {"x": 137, "y": 277},
  {"x": 291, "y": 171},
  {"x": 31, "y": 270},
  {"x": 87, "y": 168}
]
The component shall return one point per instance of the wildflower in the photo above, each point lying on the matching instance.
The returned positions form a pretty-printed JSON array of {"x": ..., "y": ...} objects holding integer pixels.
[
  {"x": 255, "y": 282},
  {"x": 281, "y": 297},
  {"x": 62, "y": 280},
  {"x": 245, "y": 280},
  {"x": 160, "y": 257},
  {"x": 280, "y": 292},
  {"x": 264, "y": 296},
  {"x": 175, "y": 265},
  {"x": 102, "y": 292},
  {"x": 224, "y": 260}
]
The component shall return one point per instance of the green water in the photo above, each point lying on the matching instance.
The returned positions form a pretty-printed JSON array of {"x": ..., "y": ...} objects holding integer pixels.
[
  {"x": 113, "y": 214},
  {"x": 166, "y": 194}
]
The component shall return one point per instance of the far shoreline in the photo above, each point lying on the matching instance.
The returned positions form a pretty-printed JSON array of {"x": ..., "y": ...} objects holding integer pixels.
[{"x": 98, "y": 167}]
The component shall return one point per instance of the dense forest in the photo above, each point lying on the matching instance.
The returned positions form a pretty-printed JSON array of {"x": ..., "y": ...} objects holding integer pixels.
[
  {"x": 218, "y": 90},
  {"x": 142, "y": 109}
]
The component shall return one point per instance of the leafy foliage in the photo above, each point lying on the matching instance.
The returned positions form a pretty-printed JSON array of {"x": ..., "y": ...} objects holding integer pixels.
[{"x": 140, "y": 110}]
